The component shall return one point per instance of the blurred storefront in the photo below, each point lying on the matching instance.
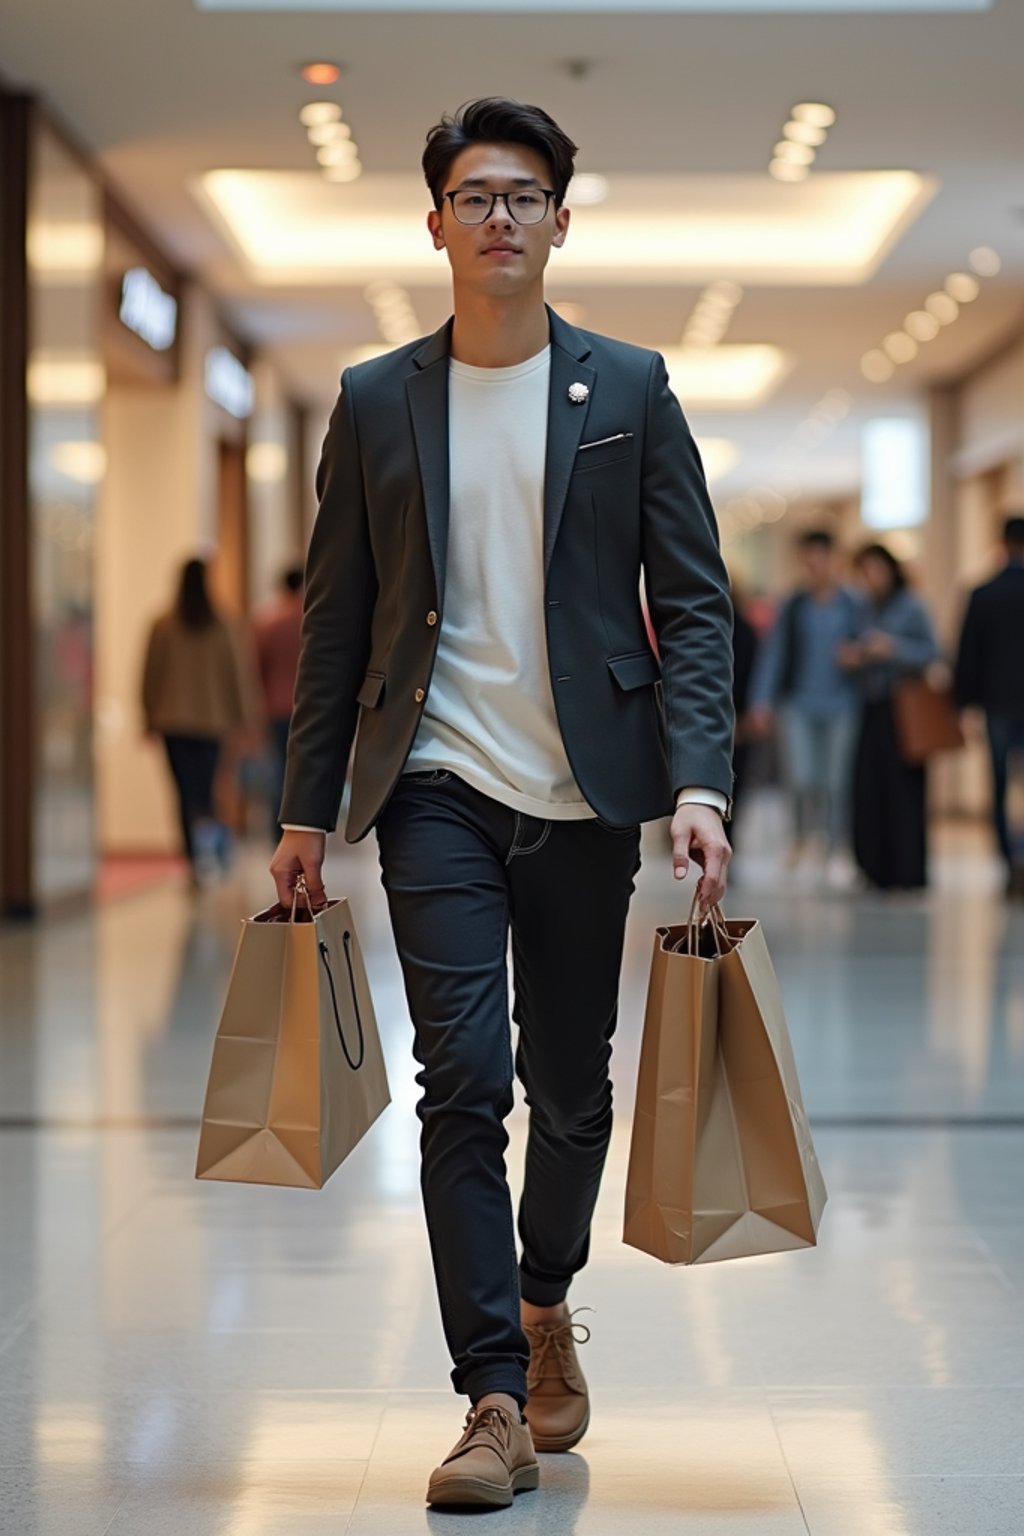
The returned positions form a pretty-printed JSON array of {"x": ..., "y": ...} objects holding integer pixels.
[{"x": 136, "y": 429}]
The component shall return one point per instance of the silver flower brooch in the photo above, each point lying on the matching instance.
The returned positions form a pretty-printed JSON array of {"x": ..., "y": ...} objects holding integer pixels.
[{"x": 579, "y": 394}]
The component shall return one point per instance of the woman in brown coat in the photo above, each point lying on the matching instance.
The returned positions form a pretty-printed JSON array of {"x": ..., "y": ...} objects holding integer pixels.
[{"x": 197, "y": 689}]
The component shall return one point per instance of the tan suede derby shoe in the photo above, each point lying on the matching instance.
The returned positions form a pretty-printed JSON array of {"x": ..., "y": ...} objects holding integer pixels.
[
  {"x": 558, "y": 1406},
  {"x": 493, "y": 1461}
]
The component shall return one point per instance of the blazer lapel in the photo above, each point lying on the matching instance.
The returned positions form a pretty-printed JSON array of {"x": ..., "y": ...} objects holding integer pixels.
[
  {"x": 565, "y": 423},
  {"x": 427, "y": 392}
]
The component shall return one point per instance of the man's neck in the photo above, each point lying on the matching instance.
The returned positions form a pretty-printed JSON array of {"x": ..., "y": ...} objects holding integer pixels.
[{"x": 499, "y": 333}]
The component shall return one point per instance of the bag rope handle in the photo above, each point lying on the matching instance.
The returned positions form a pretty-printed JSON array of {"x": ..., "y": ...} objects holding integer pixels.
[{"x": 325, "y": 955}]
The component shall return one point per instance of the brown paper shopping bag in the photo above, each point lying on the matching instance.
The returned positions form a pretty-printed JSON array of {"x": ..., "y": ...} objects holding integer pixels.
[
  {"x": 298, "y": 1074},
  {"x": 721, "y": 1163}
]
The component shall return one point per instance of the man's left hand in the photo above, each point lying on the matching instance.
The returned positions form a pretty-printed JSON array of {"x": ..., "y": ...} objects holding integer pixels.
[{"x": 698, "y": 832}]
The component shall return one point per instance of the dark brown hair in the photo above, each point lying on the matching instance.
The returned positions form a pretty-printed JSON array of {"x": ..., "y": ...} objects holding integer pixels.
[
  {"x": 879, "y": 552},
  {"x": 193, "y": 606},
  {"x": 497, "y": 120}
]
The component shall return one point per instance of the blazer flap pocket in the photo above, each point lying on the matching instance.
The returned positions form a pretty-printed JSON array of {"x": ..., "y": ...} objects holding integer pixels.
[
  {"x": 369, "y": 694},
  {"x": 634, "y": 670},
  {"x": 605, "y": 450}
]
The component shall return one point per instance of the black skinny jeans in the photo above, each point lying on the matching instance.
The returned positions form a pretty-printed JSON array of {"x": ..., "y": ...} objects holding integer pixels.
[
  {"x": 460, "y": 870},
  {"x": 193, "y": 764}
]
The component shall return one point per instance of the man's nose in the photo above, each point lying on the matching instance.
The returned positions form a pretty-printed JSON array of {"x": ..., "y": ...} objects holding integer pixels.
[{"x": 503, "y": 218}]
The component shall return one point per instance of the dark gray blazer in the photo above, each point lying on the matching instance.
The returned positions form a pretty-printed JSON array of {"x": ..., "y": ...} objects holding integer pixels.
[{"x": 624, "y": 491}]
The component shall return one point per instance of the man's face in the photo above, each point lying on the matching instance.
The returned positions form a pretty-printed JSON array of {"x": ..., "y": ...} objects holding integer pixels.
[
  {"x": 499, "y": 258},
  {"x": 819, "y": 562}
]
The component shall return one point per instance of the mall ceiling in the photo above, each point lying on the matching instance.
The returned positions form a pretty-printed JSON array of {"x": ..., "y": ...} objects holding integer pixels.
[{"x": 680, "y": 112}]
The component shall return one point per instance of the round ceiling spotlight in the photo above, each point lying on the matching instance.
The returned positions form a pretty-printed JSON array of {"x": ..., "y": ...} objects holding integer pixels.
[
  {"x": 805, "y": 133},
  {"x": 315, "y": 113},
  {"x": 349, "y": 170},
  {"x": 985, "y": 261},
  {"x": 962, "y": 287},
  {"x": 320, "y": 72},
  {"x": 785, "y": 170},
  {"x": 876, "y": 366},
  {"x": 814, "y": 112},
  {"x": 342, "y": 153},
  {"x": 943, "y": 306},
  {"x": 900, "y": 347},
  {"x": 329, "y": 133},
  {"x": 796, "y": 154},
  {"x": 921, "y": 325}
]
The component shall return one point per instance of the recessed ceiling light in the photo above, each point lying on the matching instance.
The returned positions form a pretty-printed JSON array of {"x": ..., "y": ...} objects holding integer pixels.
[
  {"x": 804, "y": 133},
  {"x": 320, "y": 72},
  {"x": 349, "y": 171},
  {"x": 962, "y": 287},
  {"x": 985, "y": 261},
  {"x": 329, "y": 133},
  {"x": 876, "y": 366},
  {"x": 921, "y": 325},
  {"x": 796, "y": 154},
  {"x": 814, "y": 112},
  {"x": 943, "y": 306},
  {"x": 342, "y": 153},
  {"x": 785, "y": 170},
  {"x": 900, "y": 347},
  {"x": 316, "y": 112},
  {"x": 588, "y": 188}
]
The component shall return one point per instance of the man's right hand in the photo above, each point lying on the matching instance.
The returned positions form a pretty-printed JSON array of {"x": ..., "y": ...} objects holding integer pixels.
[{"x": 300, "y": 853}]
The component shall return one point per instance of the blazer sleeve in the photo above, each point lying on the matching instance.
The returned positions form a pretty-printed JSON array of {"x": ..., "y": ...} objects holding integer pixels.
[
  {"x": 688, "y": 595},
  {"x": 340, "y": 593}
]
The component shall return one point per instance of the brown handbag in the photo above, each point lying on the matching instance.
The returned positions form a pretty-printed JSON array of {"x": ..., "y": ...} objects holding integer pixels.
[{"x": 926, "y": 719}]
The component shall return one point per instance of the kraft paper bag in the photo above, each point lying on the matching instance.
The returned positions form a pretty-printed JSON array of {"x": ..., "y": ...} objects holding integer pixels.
[
  {"x": 298, "y": 1074},
  {"x": 721, "y": 1163}
]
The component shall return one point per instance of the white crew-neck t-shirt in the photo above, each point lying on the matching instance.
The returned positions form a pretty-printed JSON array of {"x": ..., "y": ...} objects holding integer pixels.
[{"x": 489, "y": 715}]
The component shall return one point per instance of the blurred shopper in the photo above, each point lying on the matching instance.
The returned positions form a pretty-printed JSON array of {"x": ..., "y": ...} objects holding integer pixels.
[
  {"x": 889, "y": 795},
  {"x": 990, "y": 676},
  {"x": 489, "y": 498},
  {"x": 197, "y": 689},
  {"x": 745, "y": 645},
  {"x": 800, "y": 682},
  {"x": 277, "y": 637}
]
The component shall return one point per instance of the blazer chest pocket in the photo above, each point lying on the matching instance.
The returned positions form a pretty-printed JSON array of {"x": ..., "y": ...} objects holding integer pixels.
[
  {"x": 603, "y": 452},
  {"x": 369, "y": 694}
]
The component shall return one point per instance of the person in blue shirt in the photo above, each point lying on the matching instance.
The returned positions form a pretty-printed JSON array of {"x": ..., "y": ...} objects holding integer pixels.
[{"x": 800, "y": 684}]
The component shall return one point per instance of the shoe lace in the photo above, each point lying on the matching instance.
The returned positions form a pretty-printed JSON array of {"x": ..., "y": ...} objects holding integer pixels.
[
  {"x": 490, "y": 1421},
  {"x": 553, "y": 1347}
]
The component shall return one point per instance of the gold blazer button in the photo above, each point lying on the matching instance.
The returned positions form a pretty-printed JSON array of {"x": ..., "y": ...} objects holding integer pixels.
[
  {"x": 431, "y": 617},
  {"x": 419, "y": 695}
]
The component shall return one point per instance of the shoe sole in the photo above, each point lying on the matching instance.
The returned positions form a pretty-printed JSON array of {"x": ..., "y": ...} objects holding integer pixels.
[
  {"x": 554, "y": 1443},
  {"x": 476, "y": 1493}
]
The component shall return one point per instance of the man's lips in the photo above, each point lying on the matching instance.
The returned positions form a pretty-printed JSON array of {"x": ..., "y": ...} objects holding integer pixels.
[{"x": 501, "y": 248}]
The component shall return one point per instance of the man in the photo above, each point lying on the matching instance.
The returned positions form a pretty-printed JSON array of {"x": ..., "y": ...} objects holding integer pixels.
[
  {"x": 277, "y": 636},
  {"x": 488, "y": 500},
  {"x": 990, "y": 676},
  {"x": 799, "y": 679}
]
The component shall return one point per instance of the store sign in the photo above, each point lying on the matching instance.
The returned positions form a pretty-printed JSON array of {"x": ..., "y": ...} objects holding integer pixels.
[
  {"x": 147, "y": 310},
  {"x": 229, "y": 383}
]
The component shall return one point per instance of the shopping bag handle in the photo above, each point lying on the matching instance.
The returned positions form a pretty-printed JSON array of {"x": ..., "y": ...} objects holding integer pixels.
[
  {"x": 695, "y": 922},
  {"x": 325, "y": 956}
]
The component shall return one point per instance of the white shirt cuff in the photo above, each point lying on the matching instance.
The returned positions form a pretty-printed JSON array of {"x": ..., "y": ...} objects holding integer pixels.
[
  {"x": 293, "y": 826},
  {"x": 695, "y": 795}
]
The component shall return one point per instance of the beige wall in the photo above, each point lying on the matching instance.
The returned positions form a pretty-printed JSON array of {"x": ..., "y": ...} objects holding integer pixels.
[{"x": 158, "y": 507}]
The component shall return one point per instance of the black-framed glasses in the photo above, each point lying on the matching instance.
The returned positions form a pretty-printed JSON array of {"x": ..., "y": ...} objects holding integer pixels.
[{"x": 526, "y": 205}]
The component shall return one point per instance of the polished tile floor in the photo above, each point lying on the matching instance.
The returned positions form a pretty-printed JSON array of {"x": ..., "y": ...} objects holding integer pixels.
[{"x": 190, "y": 1358}]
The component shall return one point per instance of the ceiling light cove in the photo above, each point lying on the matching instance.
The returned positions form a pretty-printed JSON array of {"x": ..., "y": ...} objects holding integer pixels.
[
  {"x": 728, "y": 377},
  {"x": 290, "y": 227}
]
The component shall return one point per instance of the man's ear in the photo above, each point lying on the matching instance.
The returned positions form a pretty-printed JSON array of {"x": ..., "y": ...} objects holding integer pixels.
[
  {"x": 434, "y": 225},
  {"x": 562, "y": 217}
]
